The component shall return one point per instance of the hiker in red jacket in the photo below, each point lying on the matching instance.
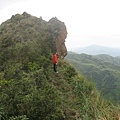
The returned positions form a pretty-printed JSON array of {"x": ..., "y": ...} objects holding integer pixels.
[{"x": 55, "y": 62}]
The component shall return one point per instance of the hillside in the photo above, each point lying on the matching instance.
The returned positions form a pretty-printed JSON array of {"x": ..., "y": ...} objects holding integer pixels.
[
  {"x": 29, "y": 89},
  {"x": 104, "y": 70},
  {"x": 96, "y": 49}
]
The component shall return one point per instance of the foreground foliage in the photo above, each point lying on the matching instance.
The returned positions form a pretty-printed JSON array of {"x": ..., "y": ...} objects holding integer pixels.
[{"x": 40, "y": 94}]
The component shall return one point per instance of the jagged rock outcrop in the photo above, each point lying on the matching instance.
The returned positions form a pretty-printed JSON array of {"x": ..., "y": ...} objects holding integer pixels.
[
  {"x": 60, "y": 32},
  {"x": 24, "y": 28}
]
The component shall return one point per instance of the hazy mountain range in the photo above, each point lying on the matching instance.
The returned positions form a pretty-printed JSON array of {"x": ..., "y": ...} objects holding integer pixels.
[{"x": 96, "y": 49}]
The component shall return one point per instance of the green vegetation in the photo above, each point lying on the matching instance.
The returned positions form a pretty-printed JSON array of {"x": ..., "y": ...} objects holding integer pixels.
[
  {"x": 30, "y": 90},
  {"x": 104, "y": 70}
]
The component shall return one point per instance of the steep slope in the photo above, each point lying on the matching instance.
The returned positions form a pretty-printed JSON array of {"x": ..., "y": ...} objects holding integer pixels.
[
  {"x": 104, "y": 70},
  {"x": 29, "y": 89}
]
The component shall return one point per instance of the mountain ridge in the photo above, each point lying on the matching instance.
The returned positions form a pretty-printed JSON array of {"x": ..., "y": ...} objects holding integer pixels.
[
  {"x": 102, "y": 69},
  {"x": 29, "y": 88}
]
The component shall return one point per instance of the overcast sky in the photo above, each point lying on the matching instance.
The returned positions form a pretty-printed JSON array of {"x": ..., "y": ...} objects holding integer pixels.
[{"x": 87, "y": 21}]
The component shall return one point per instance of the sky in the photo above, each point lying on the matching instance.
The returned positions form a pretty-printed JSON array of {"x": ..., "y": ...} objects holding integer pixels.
[{"x": 88, "y": 21}]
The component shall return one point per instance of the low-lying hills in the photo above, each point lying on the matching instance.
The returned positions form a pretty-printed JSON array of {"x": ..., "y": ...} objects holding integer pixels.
[
  {"x": 104, "y": 70},
  {"x": 29, "y": 89}
]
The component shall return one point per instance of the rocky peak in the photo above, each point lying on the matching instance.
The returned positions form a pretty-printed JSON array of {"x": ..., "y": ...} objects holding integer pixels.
[
  {"x": 60, "y": 33},
  {"x": 26, "y": 27}
]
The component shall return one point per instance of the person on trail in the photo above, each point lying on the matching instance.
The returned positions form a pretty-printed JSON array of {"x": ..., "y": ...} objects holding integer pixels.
[{"x": 55, "y": 62}]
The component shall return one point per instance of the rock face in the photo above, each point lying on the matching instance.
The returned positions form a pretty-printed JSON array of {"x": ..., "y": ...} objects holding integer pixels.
[
  {"x": 60, "y": 32},
  {"x": 25, "y": 28}
]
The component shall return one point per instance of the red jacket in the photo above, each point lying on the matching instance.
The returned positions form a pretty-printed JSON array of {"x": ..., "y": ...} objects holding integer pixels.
[{"x": 55, "y": 59}]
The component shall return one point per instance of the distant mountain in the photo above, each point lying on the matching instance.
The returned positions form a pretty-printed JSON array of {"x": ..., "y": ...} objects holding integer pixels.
[
  {"x": 96, "y": 49},
  {"x": 103, "y": 69}
]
